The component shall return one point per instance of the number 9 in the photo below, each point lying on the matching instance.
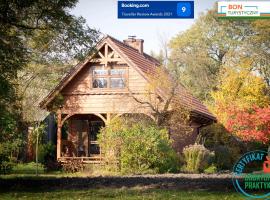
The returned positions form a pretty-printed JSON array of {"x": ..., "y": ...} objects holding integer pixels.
[{"x": 184, "y": 9}]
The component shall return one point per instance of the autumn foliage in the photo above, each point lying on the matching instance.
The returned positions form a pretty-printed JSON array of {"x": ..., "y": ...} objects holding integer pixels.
[
  {"x": 241, "y": 103},
  {"x": 250, "y": 124}
]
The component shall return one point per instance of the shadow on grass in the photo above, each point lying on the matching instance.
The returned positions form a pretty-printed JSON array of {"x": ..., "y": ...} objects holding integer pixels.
[
  {"x": 147, "y": 182},
  {"x": 122, "y": 193}
]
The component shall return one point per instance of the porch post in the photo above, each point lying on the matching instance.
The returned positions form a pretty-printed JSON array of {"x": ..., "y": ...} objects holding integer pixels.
[
  {"x": 108, "y": 118},
  {"x": 59, "y": 126}
]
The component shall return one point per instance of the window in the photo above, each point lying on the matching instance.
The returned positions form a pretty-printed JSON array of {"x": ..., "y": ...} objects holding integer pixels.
[
  {"x": 117, "y": 83},
  {"x": 118, "y": 71},
  {"x": 100, "y": 83},
  {"x": 100, "y": 72},
  {"x": 109, "y": 78}
]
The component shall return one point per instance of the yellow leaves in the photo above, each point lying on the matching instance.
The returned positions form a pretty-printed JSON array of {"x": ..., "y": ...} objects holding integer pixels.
[
  {"x": 262, "y": 27},
  {"x": 41, "y": 40},
  {"x": 159, "y": 83},
  {"x": 160, "y": 79},
  {"x": 239, "y": 86}
]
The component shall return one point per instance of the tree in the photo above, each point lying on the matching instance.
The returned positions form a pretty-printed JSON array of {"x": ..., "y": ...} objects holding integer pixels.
[
  {"x": 210, "y": 41},
  {"x": 163, "y": 98},
  {"x": 53, "y": 54},
  {"x": 216, "y": 44},
  {"x": 37, "y": 134},
  {"x": 31, "y": 34},
  {"x": 251, "y": 124},
  {"x": 225, "y": 63},
  {"x": 238, "y": 87},
  {"x": 18, "y": 20},
  {"x": 241, "y": 103},
  {"x": 258, "y": 47}
]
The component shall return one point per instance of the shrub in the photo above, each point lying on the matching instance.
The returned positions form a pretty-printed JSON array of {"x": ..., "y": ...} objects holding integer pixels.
[
  {"x": 137, "y": 147},
  {"x": 73, "y": 165},
  {"x": 7, "y": 158},
  {"x": 6, "y": 167},
  {"x": 227, "y": 148},
  {"x": 197, "y": 158},
  {"x": 216, "y": 134},
  {"x": 11, "y": 139},
  {"x": 53, "y": 165},
  {"x": 211, "y": 170},
  {"x": 46, "y": 156},
  {"x": 46, "y": 152}
]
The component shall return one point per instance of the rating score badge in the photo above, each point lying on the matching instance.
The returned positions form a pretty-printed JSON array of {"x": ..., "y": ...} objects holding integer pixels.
[{"x": 155, "y": 9}]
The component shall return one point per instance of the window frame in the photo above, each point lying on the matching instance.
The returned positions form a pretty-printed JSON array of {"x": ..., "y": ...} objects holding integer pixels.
[
  {"x": 109, "y": 76},
  {"x": 101, "y": 73},
  {"x": 123, "y": 82},
  {"x": 98, "y": 84}
]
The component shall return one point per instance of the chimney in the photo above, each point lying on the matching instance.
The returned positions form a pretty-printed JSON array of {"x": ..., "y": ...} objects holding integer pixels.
[{"x": 135, "y": 43}]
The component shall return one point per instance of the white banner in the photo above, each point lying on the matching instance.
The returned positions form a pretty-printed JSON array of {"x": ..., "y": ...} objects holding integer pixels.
[{"x": 255, "y": 9}]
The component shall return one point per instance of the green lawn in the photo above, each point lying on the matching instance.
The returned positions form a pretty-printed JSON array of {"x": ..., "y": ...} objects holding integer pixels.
[
  {"x": 27, "y": 168},
  {"x": 120, "y": 194},
  {"x": 27, "y": 171}
]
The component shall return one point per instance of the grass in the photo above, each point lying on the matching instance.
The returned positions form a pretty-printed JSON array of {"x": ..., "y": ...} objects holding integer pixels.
[
  {"x": 27, "y": 168},
  {"x": 120, "y": 194},
  {"x": 27, "y": 171}
]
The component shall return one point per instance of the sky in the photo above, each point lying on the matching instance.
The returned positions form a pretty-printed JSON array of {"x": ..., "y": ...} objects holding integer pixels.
[{"x": 102, "y": 15}]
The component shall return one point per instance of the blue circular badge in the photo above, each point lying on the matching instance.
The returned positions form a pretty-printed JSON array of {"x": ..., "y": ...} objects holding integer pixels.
[{"x": 251, "y": 175}]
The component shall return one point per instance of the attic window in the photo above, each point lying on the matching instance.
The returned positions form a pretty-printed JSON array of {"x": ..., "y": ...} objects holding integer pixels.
[
  {"x": 100, "y": 83},
  {"x": 109, "y": 78},
  {"x": 100, "y": 72},
  {"x": 117, "y": 83},
  {"x": 118, "y": 71}
]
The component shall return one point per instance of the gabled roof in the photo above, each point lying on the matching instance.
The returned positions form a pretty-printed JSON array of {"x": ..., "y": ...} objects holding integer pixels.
[{"x": 145, "y": 64}]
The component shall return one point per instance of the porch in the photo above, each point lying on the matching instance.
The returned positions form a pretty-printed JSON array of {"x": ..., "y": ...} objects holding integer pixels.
[{"x": 77, "y": 137}]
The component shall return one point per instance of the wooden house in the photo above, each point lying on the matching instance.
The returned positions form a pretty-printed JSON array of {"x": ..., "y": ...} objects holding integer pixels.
[{"x": 101, "y": 88}]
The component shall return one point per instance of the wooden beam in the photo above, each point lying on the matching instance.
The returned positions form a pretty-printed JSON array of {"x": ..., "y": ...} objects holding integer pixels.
[
  {"x": 59, "y": 133},
  {"x": 100, "y": 54},
  {"x": 65, "y": 118},
  {"x": 99, "y": 115},
  {"x": 106, "y": 55},
  {"x": 108, "y": 117},
  {"x": 114, "y": 59},
  {"x": 94, "y": 60},
  {"x": 116, "y": 116},
  {"x": 111, "y": 54},
  {"x": 106, "y": 50},
  {"x": 104, "y": 60}
]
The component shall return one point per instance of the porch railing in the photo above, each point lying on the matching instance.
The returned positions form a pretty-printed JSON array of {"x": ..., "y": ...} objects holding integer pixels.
[{"x": 90, "y": 160}]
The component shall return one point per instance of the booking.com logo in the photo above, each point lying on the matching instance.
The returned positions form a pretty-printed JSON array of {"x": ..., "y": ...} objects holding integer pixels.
[{"x": 251, "y": 175}]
